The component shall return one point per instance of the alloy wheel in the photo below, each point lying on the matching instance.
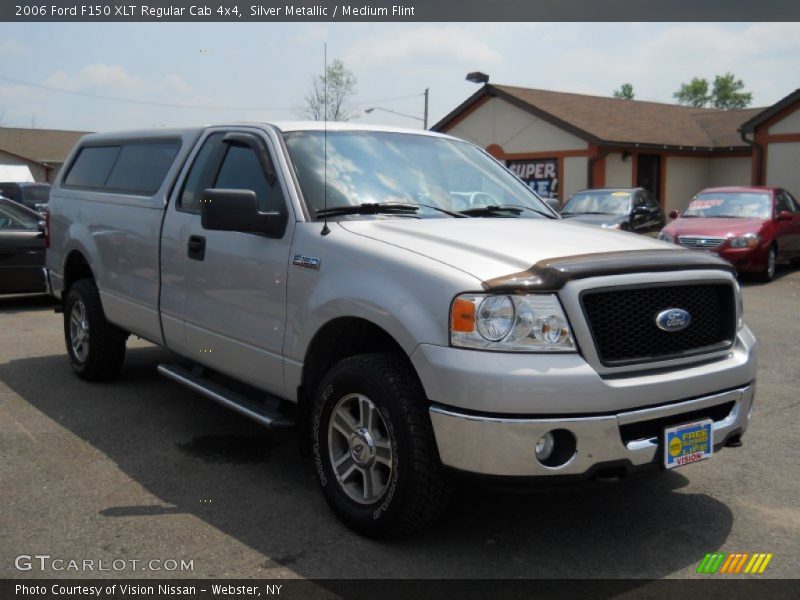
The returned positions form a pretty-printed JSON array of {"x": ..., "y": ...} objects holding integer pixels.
[
  {"x": 359, "y": 449},
  {"x": 79, "y": 331}
]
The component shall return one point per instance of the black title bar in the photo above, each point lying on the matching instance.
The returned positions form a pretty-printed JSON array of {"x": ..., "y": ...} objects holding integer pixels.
[{"x": 397, "y": 11}]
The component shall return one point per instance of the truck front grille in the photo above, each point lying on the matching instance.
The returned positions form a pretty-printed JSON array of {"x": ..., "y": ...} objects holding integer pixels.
[{"x": 623, "y": 321}]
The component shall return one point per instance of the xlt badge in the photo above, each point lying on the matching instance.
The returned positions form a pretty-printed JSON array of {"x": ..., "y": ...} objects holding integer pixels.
[{"x": 308, "y": 262}]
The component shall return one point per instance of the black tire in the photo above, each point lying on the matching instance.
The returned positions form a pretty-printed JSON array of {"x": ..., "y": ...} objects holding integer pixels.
[
  {"x": 102, "y": 357},
  {"x": 416, "y": 489},
  {"x": 768, "y": 273}
]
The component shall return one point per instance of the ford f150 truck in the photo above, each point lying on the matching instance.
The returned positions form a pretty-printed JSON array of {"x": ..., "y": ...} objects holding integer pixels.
[{"x": 404, "y": 300}]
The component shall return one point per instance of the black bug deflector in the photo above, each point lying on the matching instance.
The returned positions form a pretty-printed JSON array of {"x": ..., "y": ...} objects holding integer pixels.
[{"x": 551, "y": 275}]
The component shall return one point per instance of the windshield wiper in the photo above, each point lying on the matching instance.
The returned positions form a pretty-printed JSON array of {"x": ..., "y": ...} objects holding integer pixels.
[
  {"x": 588, "y": 212},
  {"x": 452, "y": 213},
  {"x": 372, "y": 208},
  {"x": 499, "y": 209}
]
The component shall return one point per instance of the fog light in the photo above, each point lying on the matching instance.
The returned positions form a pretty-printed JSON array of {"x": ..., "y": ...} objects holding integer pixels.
[{"x": 544, "y": 447}]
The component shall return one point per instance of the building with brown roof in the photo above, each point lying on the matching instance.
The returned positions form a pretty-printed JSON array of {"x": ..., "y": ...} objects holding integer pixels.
[
  {"x": 560, "y": 142},
  {"x": 39, "y": 152}
]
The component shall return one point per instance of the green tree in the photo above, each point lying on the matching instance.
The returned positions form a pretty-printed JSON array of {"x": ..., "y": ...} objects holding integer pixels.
[
  {"x": 341, "y": 87},
  {"x": 727, "y": 93},
  {"x": 625, "y": 92},
  {"x": 695, "y": 93}
]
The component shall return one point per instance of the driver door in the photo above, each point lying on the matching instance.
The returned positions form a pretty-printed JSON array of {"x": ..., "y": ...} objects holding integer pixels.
[{"x": 233, "y": 311}]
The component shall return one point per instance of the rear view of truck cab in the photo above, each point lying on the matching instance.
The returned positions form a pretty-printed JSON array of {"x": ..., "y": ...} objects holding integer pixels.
[{"x": 404, "y": 301}]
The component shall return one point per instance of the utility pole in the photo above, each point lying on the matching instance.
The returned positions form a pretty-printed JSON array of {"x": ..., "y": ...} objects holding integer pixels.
[{"x": 425, "y": 118}]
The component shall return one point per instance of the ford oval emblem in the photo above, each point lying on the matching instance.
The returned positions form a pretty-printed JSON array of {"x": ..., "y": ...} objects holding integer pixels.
[{"x": 673, "y": 319}]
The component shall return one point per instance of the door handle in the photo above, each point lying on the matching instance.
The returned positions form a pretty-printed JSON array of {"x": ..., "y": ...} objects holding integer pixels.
[{"x": 197, "y": 247}]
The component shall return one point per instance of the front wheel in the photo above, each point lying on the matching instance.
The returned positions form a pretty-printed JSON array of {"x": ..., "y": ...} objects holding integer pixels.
[
  {"x": 374, "y": 448},
  {"x": 96, "y": 348},
  {"x": 768, "y": 272}
]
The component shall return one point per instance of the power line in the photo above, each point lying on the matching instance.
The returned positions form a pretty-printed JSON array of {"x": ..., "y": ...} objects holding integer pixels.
[
  {"x": 141, "y": 102},
  {"x": 389, "y": 99},
  {"x": 183, "y": 106}
]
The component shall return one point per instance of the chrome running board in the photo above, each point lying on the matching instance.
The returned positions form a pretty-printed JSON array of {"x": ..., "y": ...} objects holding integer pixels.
[{"x": 228, "y": 398}]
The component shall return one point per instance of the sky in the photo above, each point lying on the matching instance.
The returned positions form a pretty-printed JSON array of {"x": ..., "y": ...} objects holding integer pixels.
[{"x": 262, "y": 71}]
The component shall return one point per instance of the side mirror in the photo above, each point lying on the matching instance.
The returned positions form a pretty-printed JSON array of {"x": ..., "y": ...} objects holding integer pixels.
[
  {"x": 785, "y": 215},
  {"x": 237, "y": 210},
  {"x": 673, "y": 214}
]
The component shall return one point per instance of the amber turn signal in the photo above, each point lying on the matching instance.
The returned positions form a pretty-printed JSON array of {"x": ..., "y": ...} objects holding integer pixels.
[{"x": 462, "y": 316}]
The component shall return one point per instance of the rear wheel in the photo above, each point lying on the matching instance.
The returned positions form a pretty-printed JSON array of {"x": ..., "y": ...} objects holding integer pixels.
[
  {"x": 96, "y": 348},
  {"x": 374, "y": 447}
]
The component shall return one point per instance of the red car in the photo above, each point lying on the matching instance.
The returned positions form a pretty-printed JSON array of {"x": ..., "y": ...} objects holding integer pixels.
[{"x": 753, "y": 228}]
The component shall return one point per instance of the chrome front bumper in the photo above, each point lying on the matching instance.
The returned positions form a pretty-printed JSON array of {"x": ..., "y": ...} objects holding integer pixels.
[{"x": 506, "y": 445}]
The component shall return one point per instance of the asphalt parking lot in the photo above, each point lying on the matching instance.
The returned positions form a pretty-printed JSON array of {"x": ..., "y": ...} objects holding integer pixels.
[{"x": 142, "y": 468}]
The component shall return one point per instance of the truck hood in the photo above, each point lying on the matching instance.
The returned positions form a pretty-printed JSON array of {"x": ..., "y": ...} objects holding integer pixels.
[
  {"x": 494, "y": 247},
  {"x": 714, "y": 227},
  {"x": 596, "y": 219}
]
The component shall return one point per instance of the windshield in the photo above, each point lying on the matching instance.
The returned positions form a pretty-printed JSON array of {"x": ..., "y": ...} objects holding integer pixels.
[
  {"x": 436, "y": 174},
  {"x": 36, "y": 194},
  {"x": 741, "y": 205},
  {"x": 595, "y": 202}
]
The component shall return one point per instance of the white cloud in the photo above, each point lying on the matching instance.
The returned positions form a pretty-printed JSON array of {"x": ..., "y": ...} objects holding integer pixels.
[
  {"x": 98, "y": 75},
  {"x": 12, "y": 47},
  {"x": 428, "y": 44},
  {"x": 657, "y": 58},
  {"x": 174, "y": 84},
  {"x": 314, "y": 33}
]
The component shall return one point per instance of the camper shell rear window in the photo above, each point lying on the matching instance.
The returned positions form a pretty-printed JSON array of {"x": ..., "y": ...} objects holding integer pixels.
[{"x": 136, "y": 167}]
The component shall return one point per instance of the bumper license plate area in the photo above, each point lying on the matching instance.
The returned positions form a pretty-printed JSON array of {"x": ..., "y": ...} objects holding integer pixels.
[{"x": 688, "y": 443}]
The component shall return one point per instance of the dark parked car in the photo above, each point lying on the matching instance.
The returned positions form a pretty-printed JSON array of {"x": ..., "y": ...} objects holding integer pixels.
[
  {"x": 628, "y": 209},
  {"x": 22, "y": 245},
  {"x": 753, "y": 228},
  {"x": 33, "y": 195}
]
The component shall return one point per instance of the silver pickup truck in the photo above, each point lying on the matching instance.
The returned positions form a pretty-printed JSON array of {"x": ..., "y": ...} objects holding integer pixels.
[{"x": 404, "y": 301}]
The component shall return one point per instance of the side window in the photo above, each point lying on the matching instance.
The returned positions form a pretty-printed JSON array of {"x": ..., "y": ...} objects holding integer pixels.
[
  {"x": 13, "y": 220},
  {"x": 92, "y": 166},
  {"x": 134, "y": 167},
  {"x": 792, "y": 202},
  {"x": 241, "y": 170},
  {"x": 782, "y": 203},
  {"x": 651, "y": 201},
  {"x": 639, "y": 200},
  {"x": 200, "y": 177},
  {"x": 7, "y": 222},
  {"x": 141, "y": 168}
]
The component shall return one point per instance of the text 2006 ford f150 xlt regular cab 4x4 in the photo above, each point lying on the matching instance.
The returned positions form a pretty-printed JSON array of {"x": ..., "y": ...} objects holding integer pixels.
[{"x": 404, "y": 300}]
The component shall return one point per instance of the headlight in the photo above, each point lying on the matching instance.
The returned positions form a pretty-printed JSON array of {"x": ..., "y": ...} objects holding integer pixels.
[
  {"x": 665, "y": 237},
  {"x": 610, "y": 226},
  {"x": 511, "y": 323},
  {"x": 748, "y": 240}
]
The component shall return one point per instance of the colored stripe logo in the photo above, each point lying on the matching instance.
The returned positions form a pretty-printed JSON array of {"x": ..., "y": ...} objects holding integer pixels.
[{"x": 734, "y": 563}]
